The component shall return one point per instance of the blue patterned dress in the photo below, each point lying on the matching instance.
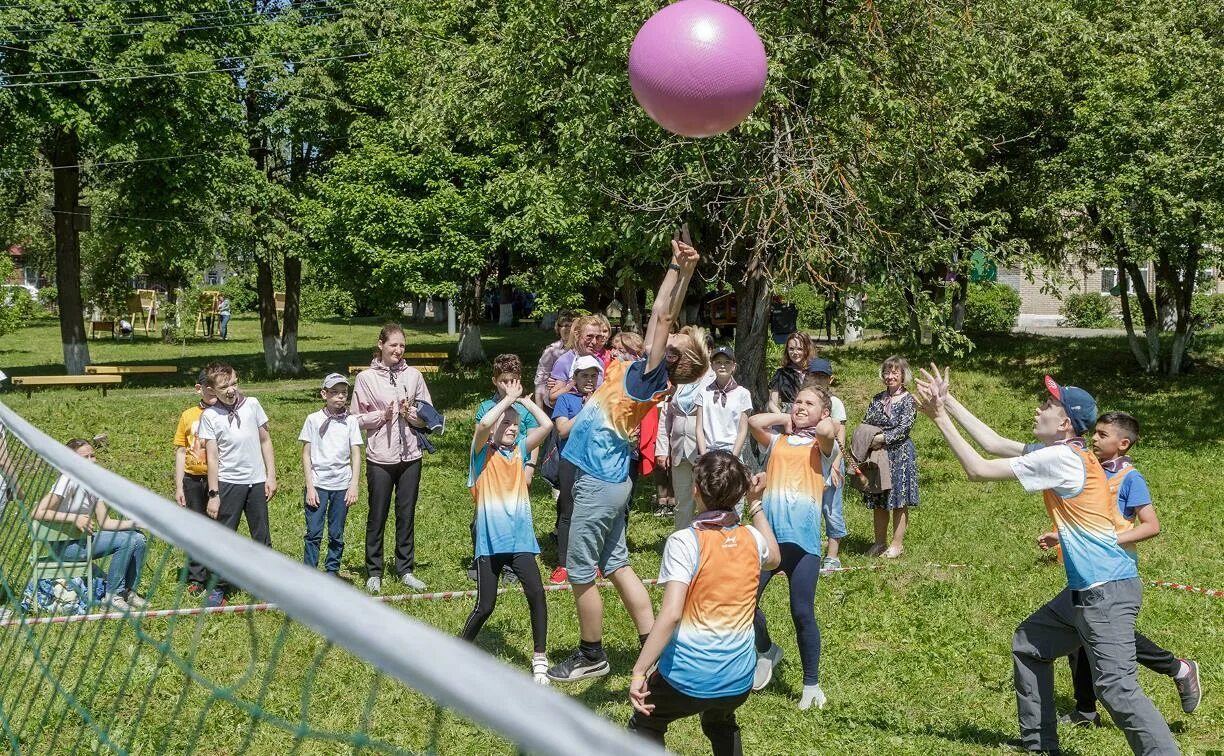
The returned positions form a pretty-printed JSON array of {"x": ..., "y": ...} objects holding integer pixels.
[{"x": 896, "y": 422}]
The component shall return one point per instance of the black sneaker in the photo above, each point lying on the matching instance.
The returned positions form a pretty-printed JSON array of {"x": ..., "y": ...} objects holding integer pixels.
[
  {"x": 1188, "y": 687},
  {"x": 1015, "y": 745},
  {"x": 577, "y": 667},
  {"x": 1081, "y": 719}
]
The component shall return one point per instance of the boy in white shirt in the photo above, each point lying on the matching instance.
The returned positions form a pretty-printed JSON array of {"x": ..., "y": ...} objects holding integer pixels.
[
  {"x": 331, "y": 459},
  {"x": 723, "y": 407},
  {"x": 241, "y": 467}
]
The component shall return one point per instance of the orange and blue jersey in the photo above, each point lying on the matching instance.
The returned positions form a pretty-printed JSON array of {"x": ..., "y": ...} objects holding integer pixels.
[
  {"x": 599, "y": 439},
  {"x": 794, "y": 490},
  {"x": 712, "y": 652},
  {"x": 1088, "y": 524},
  {"x": 503, "y": 505},
  {"x": 1129, "y": 489}
]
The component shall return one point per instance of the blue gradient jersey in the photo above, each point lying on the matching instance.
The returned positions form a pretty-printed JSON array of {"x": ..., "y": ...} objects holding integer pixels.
[
  {"x": 599, "y": 439},
  {"x": 503, "y": 506},
  {"x": 712, "y": 653},
  {"x": 794, "y": 490},
  {"x": 1129, "y": 489}
]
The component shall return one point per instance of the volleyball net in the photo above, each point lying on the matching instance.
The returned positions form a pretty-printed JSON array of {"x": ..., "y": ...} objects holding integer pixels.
[{"x": 311, "y": 665}]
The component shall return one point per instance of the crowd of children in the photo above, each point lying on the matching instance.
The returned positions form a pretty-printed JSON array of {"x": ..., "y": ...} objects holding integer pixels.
[{"x": 603, "y": 410}]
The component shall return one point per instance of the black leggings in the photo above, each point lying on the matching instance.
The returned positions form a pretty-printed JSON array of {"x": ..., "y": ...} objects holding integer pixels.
[
  {"x": 565, "y": 507},
  {"x": 1147, "y": 653},
  {"x": 405, "y": 478},
  {"x": 488, "y": 568},
  {"x": 802, "y": 570}
]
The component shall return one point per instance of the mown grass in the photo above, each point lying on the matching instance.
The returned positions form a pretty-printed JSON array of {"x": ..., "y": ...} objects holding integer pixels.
[{"x": 915, "y": 656}]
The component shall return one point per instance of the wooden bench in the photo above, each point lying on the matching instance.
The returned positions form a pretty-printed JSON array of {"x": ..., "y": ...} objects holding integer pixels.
[
  {"x": 131, "y": 370},
  {"x": 28, "y": 382},
  {"x": 413, "y": 358},
  {"x": 101, "y": 326}
]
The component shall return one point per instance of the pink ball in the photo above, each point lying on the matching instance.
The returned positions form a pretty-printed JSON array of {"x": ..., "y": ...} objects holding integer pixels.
[{"x": 697, "y": 67}]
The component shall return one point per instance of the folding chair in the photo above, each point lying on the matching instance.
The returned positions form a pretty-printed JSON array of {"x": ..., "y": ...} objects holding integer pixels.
[{"x": 46, "y": 565}]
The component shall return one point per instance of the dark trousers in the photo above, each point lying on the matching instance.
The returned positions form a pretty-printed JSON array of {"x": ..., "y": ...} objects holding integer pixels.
[
  {"x": 717, "y": 716},
  {"x": 195, "y": 491},
  {"x": 565, "y": 507},
  {"x": 331, "y": 511},
  {"x": 238, "y": 499},
  {"x": 405, "y": 479},
  {"x": 1147, "y": 653},
  {"x": 803, "y": 570},
  {"x": 488, "y": 568}
]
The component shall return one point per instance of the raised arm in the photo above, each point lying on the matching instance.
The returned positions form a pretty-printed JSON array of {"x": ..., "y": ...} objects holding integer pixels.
[
  {"x": 760, "y": 425},
  {"x": 512, "y": 390},
  {"x": 981, "y": 433},
  {"x": 669, "y": 301},
  {"x": 976, "y": 468},
  {"x": 537, "y": 435}
]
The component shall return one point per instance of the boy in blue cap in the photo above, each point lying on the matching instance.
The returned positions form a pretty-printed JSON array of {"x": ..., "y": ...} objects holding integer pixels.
[
  {"x": 820, "y": 373},
  {"x": 1098, "y": 608}
]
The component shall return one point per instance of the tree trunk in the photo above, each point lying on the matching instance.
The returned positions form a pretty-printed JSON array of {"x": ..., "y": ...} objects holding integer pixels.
[
  {"x": 631, "y": 313},
  {"x": 1183, "y": 299},
  {"x": 911, "y": 307},
  {"x": 960, "y": 295},
  {"x": 752, "y": 333},
  {"x": 471, "y": 349},
  {"x": 1151, "y": 321},
  {"x": 1128, "y": 318},
  {"x": 854, "y": 317},
  {"x": 63, "y": 152}
]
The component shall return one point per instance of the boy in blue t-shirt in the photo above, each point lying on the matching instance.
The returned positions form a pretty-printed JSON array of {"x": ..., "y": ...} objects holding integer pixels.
[
  {"x": 504, "y": 531},
  {"x": 584, "y": 376},
  {"x": 1115, "y": 434}
]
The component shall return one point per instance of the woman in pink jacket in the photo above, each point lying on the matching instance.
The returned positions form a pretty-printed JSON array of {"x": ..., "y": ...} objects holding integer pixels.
[{"x": 384, "y": 401}]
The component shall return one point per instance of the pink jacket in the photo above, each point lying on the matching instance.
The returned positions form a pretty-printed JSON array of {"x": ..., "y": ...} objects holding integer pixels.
[{"x": 388, "y": 443}]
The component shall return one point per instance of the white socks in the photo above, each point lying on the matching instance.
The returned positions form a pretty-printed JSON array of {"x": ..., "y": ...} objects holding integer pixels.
[
  {"x": 812, "y": 694},
  {"x": 539, "y": 668}
]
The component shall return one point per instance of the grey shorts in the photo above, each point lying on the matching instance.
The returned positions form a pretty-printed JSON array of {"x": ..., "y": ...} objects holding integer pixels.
[{"x": 597, "y": 528}]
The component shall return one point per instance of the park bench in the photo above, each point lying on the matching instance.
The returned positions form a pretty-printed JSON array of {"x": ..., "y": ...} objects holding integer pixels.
[
  {"x": 431, "y": 360},
  {"x": 28, "y": 382},
  {"x": 101, "y": 326},
  {"x": 131, "y": 370}
]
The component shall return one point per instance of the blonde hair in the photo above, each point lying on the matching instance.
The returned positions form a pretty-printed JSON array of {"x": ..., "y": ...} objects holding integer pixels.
[
  {"x": 576, "y": 327},
  {"x": 628, "y": 341},
  {"x": 694, "y": 360},
  {"x": 898, "y": 362}
]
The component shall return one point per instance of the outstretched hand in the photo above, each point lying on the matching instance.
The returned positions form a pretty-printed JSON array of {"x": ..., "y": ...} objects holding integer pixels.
[
  {"x": 685, "y": 255},
  {"x": 930, "y": 401},
  {"x": 935, "y": 382}
]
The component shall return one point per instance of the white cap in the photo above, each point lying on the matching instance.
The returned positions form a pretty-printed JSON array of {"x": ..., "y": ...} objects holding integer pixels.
[
  {"x": 334, "y": 379},
  {"x": 586, "y": 362}
]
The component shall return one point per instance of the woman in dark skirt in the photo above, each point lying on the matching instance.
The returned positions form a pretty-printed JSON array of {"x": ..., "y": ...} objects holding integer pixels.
[{"x": 893, "y": 411}]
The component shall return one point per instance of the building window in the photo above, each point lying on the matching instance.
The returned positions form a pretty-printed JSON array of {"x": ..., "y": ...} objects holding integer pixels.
[
  {"x": 212, "y": 278},
  {"x": 30, "y": 275},
  {"x": 1109, "y": 280}
]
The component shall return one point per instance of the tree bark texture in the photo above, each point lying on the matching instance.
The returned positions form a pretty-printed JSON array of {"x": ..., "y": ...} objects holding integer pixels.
[
  {"x": 63, "y": 151},
  {"x": 752, "y": 333},
  {"x": 471, "y": 303}
]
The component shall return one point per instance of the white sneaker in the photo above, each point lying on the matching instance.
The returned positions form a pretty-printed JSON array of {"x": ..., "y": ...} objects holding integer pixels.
[
  {"x": 374, "y": 585},
  {"x": 136, "y": 601},
  {"x": 539, "y": 669},
  {"x": 765, "y": 666},
  {"x": 812, "y": 695},
  {"x": 117, "y": 602},
  {"x": 412, "y": 581}
]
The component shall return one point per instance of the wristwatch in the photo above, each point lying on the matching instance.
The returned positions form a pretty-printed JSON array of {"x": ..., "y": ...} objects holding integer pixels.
[
  {"x": 213, "y": 494},
  {"x": 673, "y": 266}
]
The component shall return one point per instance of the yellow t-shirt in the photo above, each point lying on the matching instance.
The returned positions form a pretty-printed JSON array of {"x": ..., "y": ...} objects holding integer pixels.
[{"x": 186, "y": 436}]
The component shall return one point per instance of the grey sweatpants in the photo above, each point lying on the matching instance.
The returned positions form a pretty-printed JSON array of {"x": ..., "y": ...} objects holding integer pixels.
[{"x": 1102, "y": 620}]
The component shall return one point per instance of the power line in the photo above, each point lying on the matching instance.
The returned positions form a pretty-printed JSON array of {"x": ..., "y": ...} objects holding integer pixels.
[
  {"x": 180, "y": 30},
  {"x": 209, "y": 15},
  {"x": 176, "y": 74}
]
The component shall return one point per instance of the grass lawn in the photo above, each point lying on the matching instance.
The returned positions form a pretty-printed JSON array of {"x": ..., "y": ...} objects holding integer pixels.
[{"x": 915, "y": 659}]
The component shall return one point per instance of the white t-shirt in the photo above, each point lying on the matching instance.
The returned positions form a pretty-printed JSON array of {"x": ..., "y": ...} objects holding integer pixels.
[
  {"x": 331, "y": 457},
  {"x": 239, "y": 459},
  {"x": 719, "y": 423},
  {"x": 681, "y": 554},
  {"x": 1057, "y": 468},
  {"x": 74, "y": 499},
  {"x": 837, "y": 410}
]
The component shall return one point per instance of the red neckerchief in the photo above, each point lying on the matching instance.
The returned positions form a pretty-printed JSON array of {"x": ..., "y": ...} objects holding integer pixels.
[
  {"x": 716, "y": 519},
  {"x": 231, "y": 413},
  {"x": 808, "y": 432},
  {"x": 1116, "y": 465},
  {"x": 328, "y": 417},
  {"x": 721, "y": 393}
]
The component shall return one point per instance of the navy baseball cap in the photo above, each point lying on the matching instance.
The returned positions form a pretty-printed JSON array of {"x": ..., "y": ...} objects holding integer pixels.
[
  {"x": 724, "y": 350},
  {"x": 820, "y": 365},
  {"x": 1079, "y": 405}
]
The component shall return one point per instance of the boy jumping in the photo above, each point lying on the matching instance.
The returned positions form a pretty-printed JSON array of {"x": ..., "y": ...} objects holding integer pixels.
[{"x": 1097, "y": 609}]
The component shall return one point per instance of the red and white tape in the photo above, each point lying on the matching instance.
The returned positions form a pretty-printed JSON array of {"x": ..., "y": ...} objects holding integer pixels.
[{"x": 1187, "y": 588}]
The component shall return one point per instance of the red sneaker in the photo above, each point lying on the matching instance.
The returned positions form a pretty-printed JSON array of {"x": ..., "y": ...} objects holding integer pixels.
[{"x": 559, "y": 576}]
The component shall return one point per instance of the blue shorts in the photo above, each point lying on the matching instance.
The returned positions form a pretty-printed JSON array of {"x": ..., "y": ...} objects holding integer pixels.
[
  {"x": 831, "y": 508},
  {"x": 597, "y": 528}
]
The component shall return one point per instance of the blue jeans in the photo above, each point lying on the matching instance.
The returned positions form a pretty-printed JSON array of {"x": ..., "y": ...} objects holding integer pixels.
[
  {"x": 225, "y": 317},
  {"x": 126, "y": 549},
  {"x": 333, "y": 511}
]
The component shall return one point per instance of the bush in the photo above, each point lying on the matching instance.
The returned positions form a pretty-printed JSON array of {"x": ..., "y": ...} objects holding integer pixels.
[
  {"x": 1208, "y": 307},
  {"x": 48, "y": 297},
  {"x": 1088, "y": 311},
  {"x": 321, "y": 304},
  {"x": 241, "y": 293},
  {"x": 809, "y": 305},
  {"x": 991, "y": 308},
  {"x": 885, "y": 309}
]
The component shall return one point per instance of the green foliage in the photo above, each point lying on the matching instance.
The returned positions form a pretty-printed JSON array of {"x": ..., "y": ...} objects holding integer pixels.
[
  {"x": 240, "y": 290},
  {"x": 809, "y": 305},
  {"x": 1208, "y": 309},
  {"x": 885, "y": 310},
  {"x": 991, "y": 308},
  {"x": 47, "y": 297},
  {"x": 320, "y": 303},
  {"x": 1089, "y": 311}
]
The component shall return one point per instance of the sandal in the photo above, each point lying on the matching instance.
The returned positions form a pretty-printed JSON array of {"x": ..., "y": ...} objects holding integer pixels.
[{"x": 892, "y": 552}]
